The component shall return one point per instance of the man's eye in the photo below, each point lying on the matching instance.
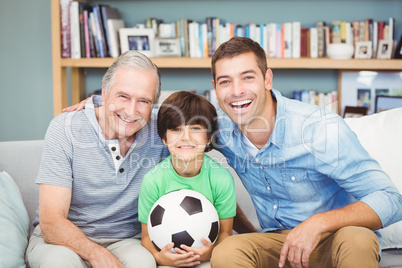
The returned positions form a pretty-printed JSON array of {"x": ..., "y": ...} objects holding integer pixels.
[
  {"x": 223, "y": 82},
  {"x": 249, "y": 77}
]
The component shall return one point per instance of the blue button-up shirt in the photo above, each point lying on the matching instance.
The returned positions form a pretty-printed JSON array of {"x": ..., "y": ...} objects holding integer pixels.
[{"x": 312, "y": 162}]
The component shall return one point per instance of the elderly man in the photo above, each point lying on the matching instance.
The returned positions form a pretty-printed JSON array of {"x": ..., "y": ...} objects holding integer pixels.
[{"x": 91, "y": 171}]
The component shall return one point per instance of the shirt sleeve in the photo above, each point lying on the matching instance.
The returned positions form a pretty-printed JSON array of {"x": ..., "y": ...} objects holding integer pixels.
[
  {"x": 147, "y": 198},
  {"x": 55, "y": 167},
  {"x": 225, "y": 193},
  {"x": 345, "y": 160}
]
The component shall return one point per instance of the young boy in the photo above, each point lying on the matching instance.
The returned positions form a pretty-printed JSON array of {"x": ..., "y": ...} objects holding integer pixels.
[{"x": 187, "y": 125}]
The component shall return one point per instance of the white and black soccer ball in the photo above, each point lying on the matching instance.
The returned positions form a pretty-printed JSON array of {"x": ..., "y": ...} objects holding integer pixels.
[{"x": 182, "y": 217}]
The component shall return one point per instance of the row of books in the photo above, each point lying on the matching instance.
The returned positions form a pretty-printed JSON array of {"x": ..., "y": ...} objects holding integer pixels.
[
  {"x": 89, "y": 31},
  {"x": 93, "y": 31},
  {"x": 329, "y": 100},
  {"x": 279, "y": 40}
]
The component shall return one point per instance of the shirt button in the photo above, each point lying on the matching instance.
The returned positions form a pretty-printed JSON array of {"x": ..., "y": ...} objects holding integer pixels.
[
  {"x": 268, "y": 188},
  {"x": 118, "y": 157},
  {"x": 121, "y": 170},
  {"x": 293, "y": 178},
  {"x": 261, "y": 167},
  {"x": 113, "y": 148},
  {"x": 275, "y": 206},
  {"x": 256, "y": 160}
]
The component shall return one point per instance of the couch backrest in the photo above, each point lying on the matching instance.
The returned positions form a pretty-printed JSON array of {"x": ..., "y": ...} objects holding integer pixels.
[{"x": 21, "y": 160}]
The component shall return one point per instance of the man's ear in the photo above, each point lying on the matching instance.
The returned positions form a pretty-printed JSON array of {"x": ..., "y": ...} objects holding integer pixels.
[
  {"x": 268, "y": 79},
  {"x": 103, "y": 96},
  {"x": 213, "y": 84}
]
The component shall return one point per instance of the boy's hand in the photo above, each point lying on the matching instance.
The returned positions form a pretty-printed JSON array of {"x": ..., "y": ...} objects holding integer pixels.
[
  {"x": 204, "y": 252},
  {"x": 179, "y": 259}
]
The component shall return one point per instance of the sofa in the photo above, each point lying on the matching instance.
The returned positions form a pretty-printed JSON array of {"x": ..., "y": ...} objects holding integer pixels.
[{"x": 380, "y": 134}]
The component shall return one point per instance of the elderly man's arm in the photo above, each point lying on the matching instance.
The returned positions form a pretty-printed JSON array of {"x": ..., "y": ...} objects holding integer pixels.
[{"x": 54, "y": 204}]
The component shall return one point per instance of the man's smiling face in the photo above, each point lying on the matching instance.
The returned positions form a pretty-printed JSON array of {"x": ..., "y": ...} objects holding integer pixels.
[
  {"x": 129, "y": 103},
  {"x": 241, "y": 88}
]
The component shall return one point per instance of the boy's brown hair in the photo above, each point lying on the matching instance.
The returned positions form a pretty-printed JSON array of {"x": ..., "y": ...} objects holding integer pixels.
[
  {"x": 237, "y": 46},
  {"x": 186, "y": 108}
]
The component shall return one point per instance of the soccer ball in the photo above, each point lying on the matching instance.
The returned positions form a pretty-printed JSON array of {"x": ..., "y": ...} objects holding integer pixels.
[{"x": 182, "y": 217}]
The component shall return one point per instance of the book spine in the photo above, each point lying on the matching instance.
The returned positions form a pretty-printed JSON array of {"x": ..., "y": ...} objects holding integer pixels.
[
  {"x": 356, "y": 32},
  {"x": 313, "y": 43},
  {"x": 86, "y": 34},
  {"x": 278, "y": 40},
  {"x": 65, "y": 28},
  {"x": 75, "y": 31},
  {"x": 320, "y": 38},
  {"x": 100, "y": 39},
  {"x": 336, "y": 32},
  {"x": 296, "y": 43}
]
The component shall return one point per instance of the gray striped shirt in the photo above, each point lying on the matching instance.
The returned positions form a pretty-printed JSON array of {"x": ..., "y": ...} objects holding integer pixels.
[{"x": 104, "y": 201}]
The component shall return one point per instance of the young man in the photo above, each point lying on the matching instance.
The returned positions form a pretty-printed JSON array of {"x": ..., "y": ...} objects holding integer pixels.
[
  {"x": 91, "y": 171},
  {"x": 187, "y": 126},
  {"x": 317, "y": 192}
]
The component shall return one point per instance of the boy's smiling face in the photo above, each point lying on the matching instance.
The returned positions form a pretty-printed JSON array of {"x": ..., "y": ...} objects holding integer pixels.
[{"x": 187, "y": 142}]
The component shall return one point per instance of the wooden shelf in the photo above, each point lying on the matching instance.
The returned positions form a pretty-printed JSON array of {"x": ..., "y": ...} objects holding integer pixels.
[
  {"x": 303, "y": 63},
  {"x": 77, "y": 79}
]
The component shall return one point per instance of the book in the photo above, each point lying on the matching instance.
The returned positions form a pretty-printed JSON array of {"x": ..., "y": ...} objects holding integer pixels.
[
  {"x": 65, "y": 28},
  {"x": 108, "y": 13},
  {"x": 356, "y": 32},
  {"x": 391, "y": 29},
  {"x": 336, "y": 32},
  {"x": 86, "y": 34},
  {"x": 94, "y": 36},
  {"x": 278, "y": 40},
  {"x": 113, "y": 26},
  {"x": 320, "y": 38},
  {"x": 296, "y": 36},
  {"x": 100, "y": 34},
  {"x": 287, "y": 40},
  {"x": 304, "y": 42},
  {"x": 75, "y": 31},
  {"x": 313, "y": 43}
]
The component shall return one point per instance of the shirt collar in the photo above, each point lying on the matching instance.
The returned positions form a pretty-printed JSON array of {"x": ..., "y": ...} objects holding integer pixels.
[{"x": 277, "y": 136}]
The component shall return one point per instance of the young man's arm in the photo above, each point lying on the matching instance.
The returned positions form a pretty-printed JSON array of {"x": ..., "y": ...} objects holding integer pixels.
[
  {"x": 303, "y": 239},
  {"x": 54, "y": 204}
]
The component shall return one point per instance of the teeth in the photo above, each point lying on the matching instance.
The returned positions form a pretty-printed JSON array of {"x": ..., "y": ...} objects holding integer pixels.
[
  {"x": 125, "y": 120},
  {"x": 239, "y": 103},
  {"x": 186, "y": 147}
]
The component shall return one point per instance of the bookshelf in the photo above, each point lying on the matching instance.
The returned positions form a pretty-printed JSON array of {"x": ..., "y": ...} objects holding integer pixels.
[{"x": 77, "y": 78}]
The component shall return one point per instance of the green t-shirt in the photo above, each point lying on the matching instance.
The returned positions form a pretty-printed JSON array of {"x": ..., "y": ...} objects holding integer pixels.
[{"x": 214, "y": 182}]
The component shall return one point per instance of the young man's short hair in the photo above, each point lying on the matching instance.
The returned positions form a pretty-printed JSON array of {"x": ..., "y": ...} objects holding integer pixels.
[{"x": 186, "y": 108}]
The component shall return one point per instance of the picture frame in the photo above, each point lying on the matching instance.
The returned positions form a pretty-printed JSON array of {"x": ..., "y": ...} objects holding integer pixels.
[
  {"x": 384, "y": 50},
  {"x": 139, "y": 39},
  {"x": 354, "y": 112},
  {"x": 363, "y": 50},
  {"x": 167, "y": 47}
]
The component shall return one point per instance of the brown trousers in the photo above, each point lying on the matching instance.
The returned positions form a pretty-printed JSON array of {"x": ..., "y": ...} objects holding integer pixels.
[{"x": 349, "y": 247}]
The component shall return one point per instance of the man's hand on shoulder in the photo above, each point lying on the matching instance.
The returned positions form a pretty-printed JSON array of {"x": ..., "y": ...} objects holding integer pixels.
[{"x": 76, "y": 107}]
